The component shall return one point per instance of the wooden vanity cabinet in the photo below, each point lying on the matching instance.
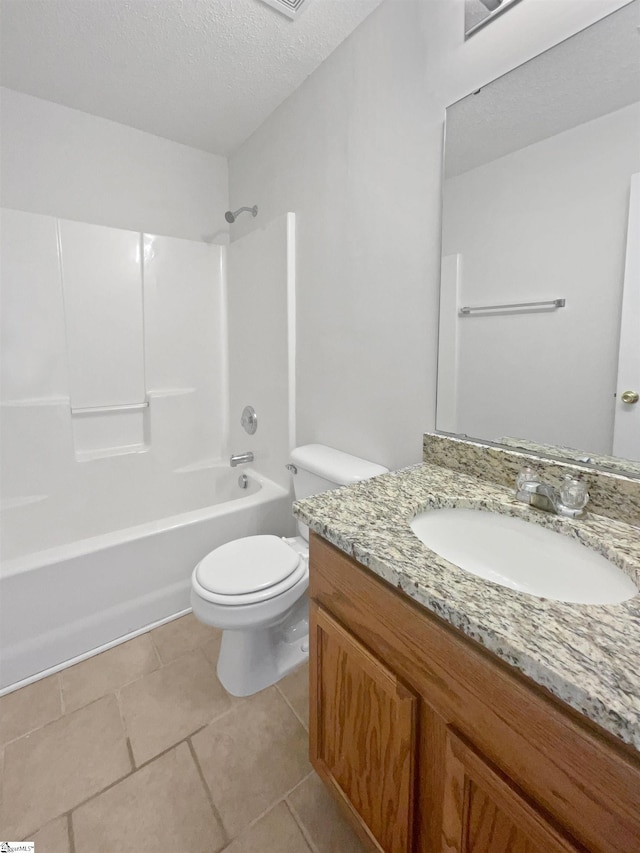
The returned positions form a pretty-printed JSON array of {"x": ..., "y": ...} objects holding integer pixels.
[
  {"x": 432, "y": 744},
  {"x": 366, "y": 735}
]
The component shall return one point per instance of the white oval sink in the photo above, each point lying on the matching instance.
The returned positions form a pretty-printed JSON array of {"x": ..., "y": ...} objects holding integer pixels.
[{"x": 522, "y": 556}]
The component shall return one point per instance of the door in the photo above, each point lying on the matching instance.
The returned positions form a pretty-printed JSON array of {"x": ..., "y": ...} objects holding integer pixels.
[
  {"x": 626, "y": 430},
  {"x": 363, "y": 730},
  {"x": 484, "y": 812}
]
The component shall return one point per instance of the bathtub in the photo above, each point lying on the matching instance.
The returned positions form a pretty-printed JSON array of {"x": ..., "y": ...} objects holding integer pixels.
[{"x": 85, "y": 590}]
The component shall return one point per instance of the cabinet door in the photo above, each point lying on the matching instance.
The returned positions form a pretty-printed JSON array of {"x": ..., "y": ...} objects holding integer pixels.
[
  {"x": 484, "y": 812},
  {"x": 363, "y": 727}
]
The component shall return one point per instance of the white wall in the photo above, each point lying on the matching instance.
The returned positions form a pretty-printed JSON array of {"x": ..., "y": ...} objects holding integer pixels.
[
  {"x": 356, "y": 153},
  {"x": 544, "y": 222},
  {"x": 258, "y": 328},
  {"x": 345, "y": 153},
  {"x": 66, "y": 163}
]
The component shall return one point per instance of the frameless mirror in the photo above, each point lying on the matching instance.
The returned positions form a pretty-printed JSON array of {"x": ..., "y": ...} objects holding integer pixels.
[
  {"x": 539, "y": 341},
  {"x": 478, "y": 13}
]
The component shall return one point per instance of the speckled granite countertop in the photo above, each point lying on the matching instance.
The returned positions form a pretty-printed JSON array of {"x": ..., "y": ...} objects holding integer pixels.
[{"x": 586, "y": 655}]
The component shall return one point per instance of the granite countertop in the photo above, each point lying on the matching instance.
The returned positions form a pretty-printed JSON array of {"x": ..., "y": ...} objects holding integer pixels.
[{"x": 586, "y": 655}]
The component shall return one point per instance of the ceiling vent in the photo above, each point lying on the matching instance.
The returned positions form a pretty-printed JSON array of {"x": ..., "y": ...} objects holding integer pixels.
[{"x": 291, "y": 8}]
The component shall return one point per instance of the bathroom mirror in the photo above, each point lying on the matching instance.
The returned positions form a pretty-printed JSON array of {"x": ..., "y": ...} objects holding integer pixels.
[
  {"x": 478, "y": 13},
  {"x": 538, "y": 255}
]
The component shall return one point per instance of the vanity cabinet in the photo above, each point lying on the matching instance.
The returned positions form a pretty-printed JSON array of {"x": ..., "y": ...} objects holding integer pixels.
[
  {"x": 366, "y": 735},
  {"x": 483, "y": 812},
  {"x": 432, "y": 744}
]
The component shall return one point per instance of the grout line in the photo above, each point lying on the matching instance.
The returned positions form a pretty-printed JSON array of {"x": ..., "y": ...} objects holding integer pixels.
[
  {"x": 298, "y": 819},
  {"x": 131, "y": 772},
  {"x": 131, "y": 755},
  {"x": 256, "y": 820},
  {"x": 304, "y": 724},
  {"x": 51, "y": 722},
  {"x": 185, "y": 739},
  {"x": 4, "y": 745},
  {"x": 155, "y": 648},
  {"x": 102, "y": 790},
  {"x": 212, "y": 663},
  {"x": 117, "y": 689},
  {"x": 72, "y": 838},
  {"x": 298, "y": 822},
  {"x": 214, "y": 808},
  {"x": 82, "y": 803},
  {"x": 183, "y": 653},
  {"x": 301, "y": 782},
  {"x": 63, "y": 704},
  {"x": 281, "y": 799},
  {"x": 123, "y": 722}
]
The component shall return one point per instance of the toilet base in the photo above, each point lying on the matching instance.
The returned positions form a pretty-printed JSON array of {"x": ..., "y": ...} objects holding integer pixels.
[{"x": 250, "y": 661}]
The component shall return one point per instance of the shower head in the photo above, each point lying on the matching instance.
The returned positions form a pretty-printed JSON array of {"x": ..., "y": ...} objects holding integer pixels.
[{"x": 232, "y": 216}]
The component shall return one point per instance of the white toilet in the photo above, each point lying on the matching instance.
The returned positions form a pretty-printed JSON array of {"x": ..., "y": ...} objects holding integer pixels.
[{"x": 255, "y": 588}]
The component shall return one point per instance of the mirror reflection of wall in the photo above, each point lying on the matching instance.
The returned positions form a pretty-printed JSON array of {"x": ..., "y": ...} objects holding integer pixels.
[{"x": 538, "y": 170}]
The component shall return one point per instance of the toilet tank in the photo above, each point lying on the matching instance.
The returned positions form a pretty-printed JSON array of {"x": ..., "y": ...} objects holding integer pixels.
[{"x": 320, "y": 468}]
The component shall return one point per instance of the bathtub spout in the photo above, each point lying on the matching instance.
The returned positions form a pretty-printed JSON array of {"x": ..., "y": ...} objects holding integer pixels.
[{"x": 240, "y": 458}]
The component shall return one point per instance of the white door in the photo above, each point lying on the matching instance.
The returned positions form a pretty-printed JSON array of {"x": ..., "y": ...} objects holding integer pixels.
[{"x": 626, "y": 430}]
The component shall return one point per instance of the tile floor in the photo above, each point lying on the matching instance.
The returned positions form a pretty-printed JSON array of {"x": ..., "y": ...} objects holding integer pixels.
[{"x": 140, "y": 749}]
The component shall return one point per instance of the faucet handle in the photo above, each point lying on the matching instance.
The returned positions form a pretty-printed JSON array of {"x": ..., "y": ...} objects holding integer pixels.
[
  {"x": 573, "y": 493},
  {"x": 527, "y": 480}
]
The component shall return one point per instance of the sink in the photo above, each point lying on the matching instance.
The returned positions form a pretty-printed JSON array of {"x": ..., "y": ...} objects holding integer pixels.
[{"x": 523, "y": 556}]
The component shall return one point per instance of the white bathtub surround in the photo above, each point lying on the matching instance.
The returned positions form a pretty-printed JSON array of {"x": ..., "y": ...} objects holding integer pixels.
[
  {"x": 125, "y": 356},
  {"x": 90, "y": 379},
  {"x": 34, "y": 363},
  {"x": 115, "y": 421},
  {"x": 68, "y": 601},
  {"x": 261, "y": 311},
  {"x": 101, "y": 272}
]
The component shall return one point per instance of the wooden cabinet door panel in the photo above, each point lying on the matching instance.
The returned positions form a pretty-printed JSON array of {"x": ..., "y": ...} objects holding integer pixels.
[
  {"x": 363, "y": 733},
  {"x": 484, "y": 812}
]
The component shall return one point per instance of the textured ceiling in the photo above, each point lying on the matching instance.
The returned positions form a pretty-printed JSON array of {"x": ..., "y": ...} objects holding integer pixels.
[
  {"x": 593, "y": 73},
  {"x": 202, "y": 72}
]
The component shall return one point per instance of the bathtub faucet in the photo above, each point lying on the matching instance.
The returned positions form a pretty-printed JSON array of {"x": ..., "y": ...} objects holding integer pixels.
[{"x": 240, "y": 458}]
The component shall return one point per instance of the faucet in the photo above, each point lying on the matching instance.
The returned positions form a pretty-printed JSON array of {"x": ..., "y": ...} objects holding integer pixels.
[
  {"x": 569, "y": 500},
  {"x": 240, "y": 458}
]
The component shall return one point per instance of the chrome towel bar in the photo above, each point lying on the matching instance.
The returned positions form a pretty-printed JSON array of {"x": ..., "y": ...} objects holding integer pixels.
[{"x": 549, "y": 304}]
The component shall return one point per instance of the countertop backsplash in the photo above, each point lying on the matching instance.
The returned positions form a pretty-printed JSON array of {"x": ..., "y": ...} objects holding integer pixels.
[{"x": 610, "y": 494}]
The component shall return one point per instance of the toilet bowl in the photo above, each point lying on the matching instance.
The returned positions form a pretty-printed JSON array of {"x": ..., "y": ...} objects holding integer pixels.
[{"x": 255, "y": 588}]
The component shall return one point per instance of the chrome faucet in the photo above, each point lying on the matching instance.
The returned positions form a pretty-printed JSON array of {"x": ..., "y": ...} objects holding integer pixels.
[
  {"x": 241, "y": 458},
  {"x": 569, "y": 500}
]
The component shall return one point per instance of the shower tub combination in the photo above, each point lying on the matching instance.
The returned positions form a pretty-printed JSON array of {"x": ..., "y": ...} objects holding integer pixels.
[
  {"x": 113, "y": 425},
  {"x": 85, "y": 589}
]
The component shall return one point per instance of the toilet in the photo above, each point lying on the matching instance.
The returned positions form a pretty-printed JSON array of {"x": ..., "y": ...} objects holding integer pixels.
[{"x": 255, "y": 588}]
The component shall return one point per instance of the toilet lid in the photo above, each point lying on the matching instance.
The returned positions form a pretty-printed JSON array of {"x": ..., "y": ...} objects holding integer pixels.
[{"x": 247, "y": 565}]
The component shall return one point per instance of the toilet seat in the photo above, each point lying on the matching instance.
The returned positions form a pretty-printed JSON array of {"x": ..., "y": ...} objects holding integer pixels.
[{"x": 249, "y": 570}]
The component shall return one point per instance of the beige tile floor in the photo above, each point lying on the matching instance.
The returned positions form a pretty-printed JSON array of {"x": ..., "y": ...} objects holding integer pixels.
[{"x": 141, "y": 749}]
